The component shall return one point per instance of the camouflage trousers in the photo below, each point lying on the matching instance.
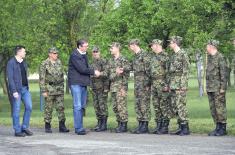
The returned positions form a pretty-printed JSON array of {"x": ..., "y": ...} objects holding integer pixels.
[
  {"x": 161, "y": 104},
  {"x": 100, "y": 103},
  {"x": 120, "y": 106},
  {"x": 56, "y": 101},
  {"x": 217, "y": 102},
  {"x": 178, "y": 105},
  {"x": 142, "y": 104}
]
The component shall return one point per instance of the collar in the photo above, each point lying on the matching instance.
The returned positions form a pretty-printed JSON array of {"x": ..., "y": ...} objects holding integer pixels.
[
  {"x": 19, "y": 60},
  {"x": 81, "y": 52}
]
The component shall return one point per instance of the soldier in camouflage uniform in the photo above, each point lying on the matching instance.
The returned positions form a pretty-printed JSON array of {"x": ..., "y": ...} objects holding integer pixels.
[
  {"x": 100, "y": 88},
  {"x": 117, "y": 71},
  {"x": 142, "y": 86},
  {"x": 51, "y": 81},
  {"x": 178, "y": 84},
  {"x": 160, "y": 91},
  {"x": 216, "y": 84}
]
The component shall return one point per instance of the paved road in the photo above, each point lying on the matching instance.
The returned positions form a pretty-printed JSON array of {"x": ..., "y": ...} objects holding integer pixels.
[{"x": 112, "y": 144}]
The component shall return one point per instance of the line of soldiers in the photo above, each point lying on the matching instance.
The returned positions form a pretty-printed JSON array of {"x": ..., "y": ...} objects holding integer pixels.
[
  {"x": 158, "y": 75},
  {"x": 163, "y": 77}
]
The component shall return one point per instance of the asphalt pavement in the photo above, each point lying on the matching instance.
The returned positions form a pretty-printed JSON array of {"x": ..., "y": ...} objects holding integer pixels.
[{"x": 108, "y": 143}]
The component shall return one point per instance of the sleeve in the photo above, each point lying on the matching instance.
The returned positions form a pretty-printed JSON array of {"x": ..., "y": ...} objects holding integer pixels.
[
  {"x": 81, "y": 67},
  {"x": 10, "y": 72},
  {"x": 167, "y": 73},
  {"x": 223, "y": 73},
  {"x": 42, "y": 77},
  {"x": 184, "y": 77}
]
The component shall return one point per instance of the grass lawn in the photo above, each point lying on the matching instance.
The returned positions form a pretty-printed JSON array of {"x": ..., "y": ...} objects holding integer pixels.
[{"x": 200, "y": 118}]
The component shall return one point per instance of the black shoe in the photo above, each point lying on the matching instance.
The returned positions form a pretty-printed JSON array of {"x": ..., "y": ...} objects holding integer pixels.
[
  {"x": 20, "y": 134},
  {"x": 137, "y": 130},
  {"x": 62, "y": 127},
  {"x": 178, "y": 131},
  {"x": 158, "y": 127},
  {"x": 213, "y": 133},
  {"x": 164, "y": 127},
  {"x": 27, "y": 132},
  {"x": 118, "y": 127},
  {"x": 144, "y": 128},
  {"x": 103, "y": 126},
  {"x": 184, "y": 130},
  {"x": 123, "y": 127},
  {"x": 98, "y": 125},
  {"x": 48, "y": 128},
  {"x": 222, "y": 130},
  {"x": 83, "y": 132}
]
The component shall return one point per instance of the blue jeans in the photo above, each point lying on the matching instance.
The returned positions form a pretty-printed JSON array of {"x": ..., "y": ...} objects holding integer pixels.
[
  {"x": 25, "y": 96},
  {"x": 79, "y": 94}
]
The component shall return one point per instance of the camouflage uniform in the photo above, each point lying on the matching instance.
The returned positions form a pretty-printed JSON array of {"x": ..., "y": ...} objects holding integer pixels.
[
  {"x": 100, "y": 88},
  {"x": 215, "y": 81},
  {"x": 52, "y": 81},
  {"x": 159, "y": 77},
  {"x": 142, "y": 86},
  {"x": 178, "y": 83},
  {"x": 118, "y": 83}
]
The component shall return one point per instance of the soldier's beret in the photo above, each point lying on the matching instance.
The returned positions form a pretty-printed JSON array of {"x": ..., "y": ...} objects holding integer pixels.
[
  {"x": 176, "y": 39},
  {"x": 134, "y": 42},
  {"x": 213, "y": 42},
  {"x": 116, "y": 44},
  {"x": 156, "y": 41},
  {"x": 53, "y": 50},
  {"x": 95, "y": 48}
]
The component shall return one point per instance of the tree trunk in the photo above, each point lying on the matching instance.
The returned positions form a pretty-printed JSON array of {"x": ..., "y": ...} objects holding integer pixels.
[{"x": 8, "y": 91}]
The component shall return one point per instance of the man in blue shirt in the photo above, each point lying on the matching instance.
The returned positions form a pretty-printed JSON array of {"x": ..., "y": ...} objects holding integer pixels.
[
  {"x": 19, "y": 91},
  {"x": 79, "y": 78}
]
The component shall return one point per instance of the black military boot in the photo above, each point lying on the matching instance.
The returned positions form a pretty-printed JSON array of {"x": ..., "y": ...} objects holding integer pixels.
[
  {"x": 144, "y": 128},
  {"x": 177, "y": 132},
  {"x": 98, "y": 124},
  {"x": 137, "y": 130},
  {"x": 184, "y": 130},
  {"x": 164, "y": 128},
  {"x": 158, "y": 126},
  {"x": 48, "y": 127},
  {"x": 123, "y": 127},
  {"x": 222, "y": 130},
  {"x": 103, "y": 126},
  {"x": 62, "y": 127},
  {"x": 213, "y": 133},
  {"x": 118, "y": 127}
]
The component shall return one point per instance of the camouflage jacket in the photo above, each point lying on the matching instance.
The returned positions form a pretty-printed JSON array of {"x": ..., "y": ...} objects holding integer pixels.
[
  {"x": 159, "y": 70},
  {"x": 178, "y": 70},
  {"x": 51, "y": 77},
  {"x": 118, "y": 81},
  {"x": 141, "y": 68},
  {"x": 102, "y": 82},
  {"x": 216, "y": 73}
]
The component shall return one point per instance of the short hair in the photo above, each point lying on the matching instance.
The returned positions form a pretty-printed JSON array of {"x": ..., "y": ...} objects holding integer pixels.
[
  {"x": 115, "y": 44},
  {"x": 134, "y": 42},
  {"x": 18, "y": 47},
  {"x": 81, "y": 42}
]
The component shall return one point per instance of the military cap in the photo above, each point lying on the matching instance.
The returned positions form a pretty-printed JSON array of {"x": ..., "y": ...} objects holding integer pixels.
[
  {"x": 156, "y": 41},
  {"x": 176, "y": 39},
  {"x": 95, "y": 48},
  {"x": 134, "y": 42},
  {"x": 53, "y": 50},
  {"x": 213, "y": 42},
  {"x": 116, "y": 44}
]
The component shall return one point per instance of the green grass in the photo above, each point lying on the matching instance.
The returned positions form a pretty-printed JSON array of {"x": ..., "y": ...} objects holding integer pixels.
[{"x": 200, "y": 118}]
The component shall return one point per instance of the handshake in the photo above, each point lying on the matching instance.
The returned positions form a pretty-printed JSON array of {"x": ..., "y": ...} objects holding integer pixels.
[{"x": 97, "y": 73}]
